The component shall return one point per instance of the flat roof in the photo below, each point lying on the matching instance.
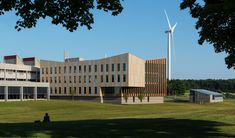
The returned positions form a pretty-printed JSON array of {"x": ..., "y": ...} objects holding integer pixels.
[{"x": 206, "y": 91}]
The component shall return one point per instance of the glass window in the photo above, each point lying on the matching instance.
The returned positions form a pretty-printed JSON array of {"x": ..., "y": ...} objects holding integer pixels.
[
  {"x": 74, "y": 69},
  {"x": 74, "y": 79},
  {"x": 50, "y": 70},
  {"x": 101, "y": 78},
  {"x": 84, "y": 90},
  {"x": 80, "y": 69},
  {"x": 79, "y": 79},
  {"x": 84, "y": 79},
  {"x": 89, "y": 68},
  {"x": 65, "y": 69},
  {"x": 89, "y": 90},
  {"x": 95, "y": 68},
  {"x": 112, "y": 78},
  {"x": 118, "y": 67},
  {"x": 113, "y": 66},
  {"x": 84, "y": 68},
  {"x": 124, "y": 66},
  {"x": 107, "y": 78},
  {"x": 101, "y": 67},
  {"x": 55, "y": 70},
  {"x": 118, "y": 78},
  {"x": 65, "y": 90},
  {"x": 59, "y": 70},
  {"x": 95, "y": 90},
  {"x": 80, "y": 90},
  {"x": 70, "y": 69},
  {"x": 124, "y": 78},
  {"x": 107, "y": 67}
]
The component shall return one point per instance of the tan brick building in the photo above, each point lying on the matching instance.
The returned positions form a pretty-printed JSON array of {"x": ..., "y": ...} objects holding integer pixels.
[{"x": 123, "y": 78}]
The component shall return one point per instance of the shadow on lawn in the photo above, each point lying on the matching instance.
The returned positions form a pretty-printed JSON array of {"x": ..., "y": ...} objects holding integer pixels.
[{"x": 160, "y": 127}]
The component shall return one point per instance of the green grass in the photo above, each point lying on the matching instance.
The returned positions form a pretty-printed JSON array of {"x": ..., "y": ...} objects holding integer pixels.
[{"x": 88, "y": 119}]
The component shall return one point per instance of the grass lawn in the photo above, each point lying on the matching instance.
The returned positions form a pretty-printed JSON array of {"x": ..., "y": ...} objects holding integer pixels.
[{"x": 88, "y": 119}]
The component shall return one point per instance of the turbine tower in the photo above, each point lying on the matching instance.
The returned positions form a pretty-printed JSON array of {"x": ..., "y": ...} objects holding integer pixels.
[{"x": 170, "y": 33}]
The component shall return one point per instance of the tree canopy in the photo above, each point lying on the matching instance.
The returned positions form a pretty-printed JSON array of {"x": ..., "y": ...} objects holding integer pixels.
[
  {"x": 216, "y": 24},
  {"x": 69, "y": 13}
]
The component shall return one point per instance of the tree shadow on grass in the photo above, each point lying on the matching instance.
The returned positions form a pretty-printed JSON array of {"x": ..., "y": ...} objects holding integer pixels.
[{"x": 159, "y": 127}]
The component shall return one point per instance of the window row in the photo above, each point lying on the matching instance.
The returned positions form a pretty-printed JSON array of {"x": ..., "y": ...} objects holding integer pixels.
[
  {"x": 73, "y": 69},
  {"x": 86, "y": 79},
  {"x": 74, "y": 90}
]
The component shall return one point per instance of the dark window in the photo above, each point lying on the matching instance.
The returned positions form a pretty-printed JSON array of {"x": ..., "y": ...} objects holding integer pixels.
[
  {"x": 70, "y": 90},
  {"x": 84, "y": 79},
  {"x": 80, "y": 90},
  {"x": 74, "y": 79},
  {"x": 59, "y": 79},
  {"x": 70, "y": 79},
  {"x": 118, "y": 67},
  {"x": 107, "y": 78},
  {"x": 74, "y": 69},
  {"x": 84, "y": 68},
  {"x": 80, "y": 69},
  {"x": 59, "y": 70},
  {"x": 113, "y": 67},
  {"x": 65, "y": 90},
  {"x": 95, "y": 68},
  {"x": 112, "y": 78},
  {"x": 107, "y": 67},
  {"x": 55, "y": 70},
  {"x": 55, "y": 90},
  {"x": 89, "y": 78},
  {"x": 133, "y": 99},
  {"x": 59, "y": 90},
  {"x": 64, "y": 79},
  {"x": 65, "y": 69},
  {"x": 95, "y": 90},
  {"x": 79, "y": 79},
  {"x": 101, "y": 68},
  {"x": 46, "y": 70},
  {"x": 89, "y": 68},
  {"x": 118, "y": 78},
  {"x": 124, "y": 78},
  {"x": 70, "y": 69},
  {"x": 124, "y": 66},
  {"x": 55, "y": 80},
  {"x": 50, "y": 70},
  {"x": 89, "y": 90},
  {"x": 42, "y": 70}
]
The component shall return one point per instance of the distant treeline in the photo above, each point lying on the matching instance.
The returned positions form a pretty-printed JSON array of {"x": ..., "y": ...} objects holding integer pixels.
[{"x": 209, "y": 84}]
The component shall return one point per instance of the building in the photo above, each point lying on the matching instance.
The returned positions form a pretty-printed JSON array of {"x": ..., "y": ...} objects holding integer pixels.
[
  {"x": 205, "y": 96},
  {"x": 19, "y": 80},
  {"x": 122, "y": 79}
]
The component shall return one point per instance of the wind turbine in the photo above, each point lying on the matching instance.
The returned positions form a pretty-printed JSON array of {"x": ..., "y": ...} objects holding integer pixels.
[{"x": 170, "y": 33}]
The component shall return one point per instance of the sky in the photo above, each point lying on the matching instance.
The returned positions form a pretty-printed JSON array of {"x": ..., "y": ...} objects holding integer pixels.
[{"x": 139, "y": 29}]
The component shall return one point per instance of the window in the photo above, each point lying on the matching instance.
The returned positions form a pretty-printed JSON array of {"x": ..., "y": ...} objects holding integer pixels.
[
  {"x": 124, "y": 66},
  {"x": 65, "y": 69},
  {"x": 84, "y": 79},
  {"x": 101, "y": 68},
  {"x": 95, "y": 90},
  {"x": 70, "y": 90},
  {"x": 51, "y": 90},
  {"x": 55, "y": 71},
  {"x": 70, "y": 79},
  {"x": 55, "y": 80},
  {"x": 51, "y": 80},
  {"x": 46, "y": 79},
  {"x": 64, "y": 79},
  {"x": 113, "y": 67},
  {"x": 89, "y": 68},
  {"x": 84, "y": 90},
  {"x": 80, "y": 69},
  {"x": 112, "y": 78},
  {"x": 75, "y": 90},
  {"x": 95, "y": 68},
  {"x": 84, "y": 68},
  {"x": 65, "y": 90},
  {"x": 118, "y": 67},
  {"x": 101, "y": 78},
  {"x": 59, "y": 90},
  {"x": 55, "y": 90},
  {"x": 46, "y": 70},
  {"x": 74, "y": 79},
  {"x": 107, "y": 78},
  {"x": 70, "y": 69},
  {"x": 80, "y": 90},
  {"x": 107, "y": 67},
  {"x": 124, "y": 78},
  {"x": 74, "y": 69},
  {"x": 50, "y": 70},
  {"x": 118, "y": 78},
  {"x": 59, "y": 70},
  {"x": 79, "y": 79},
  {"x": 89, "y": 90},
  {"x": 89, "y": 79},
  {"x": 95, "y": 79},
  {"x": 42, "y": 70}
]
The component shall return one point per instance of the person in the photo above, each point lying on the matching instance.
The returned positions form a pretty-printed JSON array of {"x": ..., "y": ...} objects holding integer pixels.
[{"x": 46, "y": 118}]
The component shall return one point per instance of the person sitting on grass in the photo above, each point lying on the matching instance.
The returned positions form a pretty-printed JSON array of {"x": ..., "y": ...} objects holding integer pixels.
[{"x": 46, "y": 118}]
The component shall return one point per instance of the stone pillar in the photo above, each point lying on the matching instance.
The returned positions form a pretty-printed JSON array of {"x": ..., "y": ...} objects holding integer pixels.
[
  {"x": 35, "y": 93},
  {"x": 6, "y": 93},
  {"x": 101, "y": 96},
  {"x": 21, "y": 93},
  {"x": 48, "y": 93}
]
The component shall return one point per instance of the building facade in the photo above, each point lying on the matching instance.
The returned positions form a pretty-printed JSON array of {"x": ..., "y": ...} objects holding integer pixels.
[
  {"x": 204, "y": 96},
  {"x": 19, "y": 80},
  {"x": 122, "y": 78}
]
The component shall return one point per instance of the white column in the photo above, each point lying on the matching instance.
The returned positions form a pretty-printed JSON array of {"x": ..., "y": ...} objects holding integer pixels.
[
  {"x": 48, "y": 93},
  {"x": 35, "y": 93},
  {"x": 101, "y": 96},
  {"x": 21, "y": 93},
  {"x": 6, "y": 93},
  {"x": 5, "y": 74}
]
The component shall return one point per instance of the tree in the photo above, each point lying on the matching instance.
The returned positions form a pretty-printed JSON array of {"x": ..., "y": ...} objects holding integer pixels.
[
  {"x": 69, "y": 13},
  {"x": 141, "y": 96},
  {"x": 176, "y": 87},
  {"x": 216, "y": 25}
]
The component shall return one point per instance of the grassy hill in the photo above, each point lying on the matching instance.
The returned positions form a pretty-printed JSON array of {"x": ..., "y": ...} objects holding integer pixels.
[{"x": 87, "y": 119}]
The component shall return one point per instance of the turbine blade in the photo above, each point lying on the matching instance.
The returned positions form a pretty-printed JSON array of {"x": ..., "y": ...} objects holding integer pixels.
[
  {"x": 173, "y": 28},
  {"x": 168, "y": 21}
]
